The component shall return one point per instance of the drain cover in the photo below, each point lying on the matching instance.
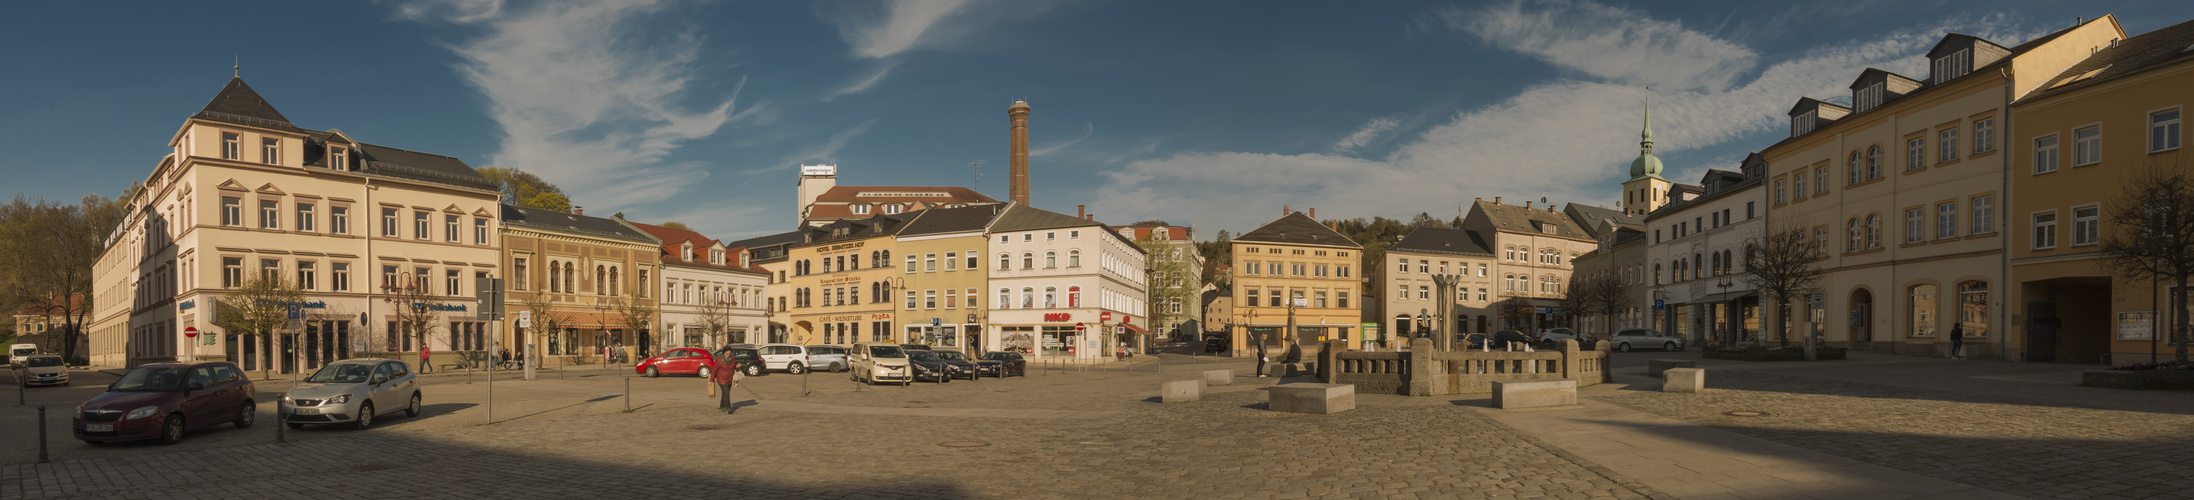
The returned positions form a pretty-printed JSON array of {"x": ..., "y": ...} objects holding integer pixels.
[
  {"x": 962, "y": 444},
  {"x": 1746, "y": 413}
]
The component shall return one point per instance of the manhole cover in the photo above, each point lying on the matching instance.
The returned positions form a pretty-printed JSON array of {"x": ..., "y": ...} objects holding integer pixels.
[
  {"x": 962, "y": 444},
  {"x": 1745, "y": 413}
]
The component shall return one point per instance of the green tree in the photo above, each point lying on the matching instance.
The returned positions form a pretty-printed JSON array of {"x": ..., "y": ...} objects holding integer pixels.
[
  {"x": 259, "y": 307},
  {"x": 681, "y": 226},
  {"x": 524, "y": 189},
  {"x": 47, "y": 251}
]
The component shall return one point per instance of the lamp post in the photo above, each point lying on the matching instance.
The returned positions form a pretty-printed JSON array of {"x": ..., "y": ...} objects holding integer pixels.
[
  {"x": 1724, "y": 313},
  {"x": 601, "y": 319}
]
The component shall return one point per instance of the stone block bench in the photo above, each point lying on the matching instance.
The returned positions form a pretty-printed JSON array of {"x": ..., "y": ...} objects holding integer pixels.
[
  {"x": 1512, "y": 394},
  {"x": 1218, "y": 377},
  {"x": 1683, "y": 380},
  {"x": 1655, "y": 367},
  {"x": 1312, "y": 398},
  {"x": 1180, "y": 391}
]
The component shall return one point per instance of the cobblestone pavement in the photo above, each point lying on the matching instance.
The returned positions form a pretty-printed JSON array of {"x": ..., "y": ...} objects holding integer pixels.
[
  {"x": 2009, "y": 440},
  {"x": 557, "y": 444}
]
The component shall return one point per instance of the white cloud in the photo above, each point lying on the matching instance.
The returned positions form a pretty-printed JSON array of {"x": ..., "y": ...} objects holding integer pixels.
[
  {"x": 894, "y": 26},
  {"x": 1364, "y": 134},
  {"x": 587, "y": 94},
  {"x": 865, "y": 83},
  {"x": 827, "y": 151},
  {"x": 1088, "y": 128},
  {"x": 1567, "y": 140},
  {"x": 1607, "y": 42}
]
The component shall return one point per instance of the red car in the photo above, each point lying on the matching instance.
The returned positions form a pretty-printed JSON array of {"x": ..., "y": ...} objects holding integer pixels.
[
  {"x": 680, "y": 361},
  {"x": 161, "y": 401}
]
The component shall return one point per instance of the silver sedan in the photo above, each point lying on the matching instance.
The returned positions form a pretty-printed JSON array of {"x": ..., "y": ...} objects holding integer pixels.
[{"x": 352, "y": 392}]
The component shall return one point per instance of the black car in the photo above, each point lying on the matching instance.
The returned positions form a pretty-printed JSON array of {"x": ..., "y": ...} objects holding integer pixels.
[
  {"x": 914, "y": 347},
  {"x": 1002, "y": 364},
  {"x": 1216, "y": 343},
  {"x": 1475, "y": 340},
  {"x": 749, "y": 358},
  {"x": 1505, "y": 338},
  {"x": 961, "y": 366},
  {"x": 927, "y": 365}
]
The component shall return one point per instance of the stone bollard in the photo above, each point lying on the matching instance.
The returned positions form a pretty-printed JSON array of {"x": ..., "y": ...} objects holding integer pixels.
[
  {"x": 1180, "y": 391},
  {"x": 1683, "y": 380},
  {"x": 1312, "y": 398},
  {"x": 1218, "y": 377},
  {"x": 1511, "y": 394},
  {"x": 1654, "y": 367}
]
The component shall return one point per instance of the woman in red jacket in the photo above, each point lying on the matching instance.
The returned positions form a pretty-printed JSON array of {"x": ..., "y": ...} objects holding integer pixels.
[{"x": 724, "y": 373}]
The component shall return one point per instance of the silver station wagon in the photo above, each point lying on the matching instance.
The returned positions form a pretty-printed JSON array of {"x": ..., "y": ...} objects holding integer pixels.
[{"x": 352, "y": 392}]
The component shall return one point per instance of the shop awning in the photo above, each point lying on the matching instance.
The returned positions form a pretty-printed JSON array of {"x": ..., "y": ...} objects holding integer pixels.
[{"x": 1136, "y": 329}]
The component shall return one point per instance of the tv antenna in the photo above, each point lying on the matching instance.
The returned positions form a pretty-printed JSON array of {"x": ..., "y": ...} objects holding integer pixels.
[{"x": 977, "y": 165}]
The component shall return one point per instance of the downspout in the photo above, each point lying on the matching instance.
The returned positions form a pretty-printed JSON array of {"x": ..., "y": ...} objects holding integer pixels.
[
  {"x": 370, "y": 260},
  {"x": 2004, "y": 242}
]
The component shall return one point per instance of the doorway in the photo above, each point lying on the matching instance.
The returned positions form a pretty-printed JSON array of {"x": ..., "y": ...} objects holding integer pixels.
[{"x": 1862, "y": 319}]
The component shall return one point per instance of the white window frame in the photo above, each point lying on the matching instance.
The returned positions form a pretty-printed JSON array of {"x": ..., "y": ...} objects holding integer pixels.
[
  {"x": 2166, "y": 134},
  {"x": 1946, "y": 220},
  {"x": 1915, "y": 225},
  {"x": 2088, "y": 150},
  {"x": 2087, "y": 230},
  {"x": 1984, "y": 135},
  {"x": 305, "y": 215},
  {"x": 1984, "y": 214},
  {"x": 2046, "y": 156},
  {"x": 1946, "y": 141},
  {"x": 2038, "y": 229}
]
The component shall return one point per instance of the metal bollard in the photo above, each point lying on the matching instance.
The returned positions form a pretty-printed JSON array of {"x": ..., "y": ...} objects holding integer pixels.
[
  {"x": 42, "y": 434},
  {"x": 628, "y": 393},
  {"x": 280, "y": 422}
]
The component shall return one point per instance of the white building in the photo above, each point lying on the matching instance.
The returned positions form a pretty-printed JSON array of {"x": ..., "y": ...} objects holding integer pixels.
[
  {"x": 1053, "y": 272},
  {"x": 1696, "y": 249},
  {"x": 712, "y": 295}
]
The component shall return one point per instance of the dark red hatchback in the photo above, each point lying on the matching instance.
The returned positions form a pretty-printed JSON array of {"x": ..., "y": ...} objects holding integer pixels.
[{"x": 161, "y": 401}]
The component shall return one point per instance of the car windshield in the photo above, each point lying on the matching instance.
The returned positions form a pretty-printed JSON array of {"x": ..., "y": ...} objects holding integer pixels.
[
  {"x": 998, "y": 356},
  {"x": 152, "y": 380},
  {"x": 745, "y": 353},
  {"x": 922, "y": 356},
  {"x": 342, "y": 373},
  {"x": 886, "y": 351},
  {"x": 952, "y": 356},
  {"x": 45, "y": 362},
  {"x": 23, "y": 352}
]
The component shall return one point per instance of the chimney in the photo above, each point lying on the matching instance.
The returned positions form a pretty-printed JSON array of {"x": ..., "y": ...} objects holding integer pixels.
[
  {"x": 1336, "y": 225},
  {"x": 1080, "y": 211},
  {"x": 1527, "y": 204},
  {"x": 1018, "y": 114},
  {"x": 1496, "y": 200},
  {"x": 1285, "y": 210},
  {"x": 578, "y": 210},
  {"x": 1314, "y": 213}
]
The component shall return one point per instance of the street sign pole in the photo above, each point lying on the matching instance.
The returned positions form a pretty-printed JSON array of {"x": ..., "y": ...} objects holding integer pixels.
[
  {"x": 490, "y": 292},
  {"x": 525, "y": 358}
]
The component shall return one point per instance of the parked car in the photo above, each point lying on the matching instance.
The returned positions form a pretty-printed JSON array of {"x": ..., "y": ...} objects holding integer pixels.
[
  {"x": 1642, "y": 338},
  {"x": 914, "y": 347},
  {"x": 20, "y": 353},
  {"x": 1217, "y": 343},
  {"x": 680, "y": 361},
  {"x": 352, "y": 391},
  {"x": 1475, "y": 340},
  {"x": 927, "y": 365},
  {"x": 791, "y": 358},
  {"x": 873, "y": 363},
  {"x": 828, "y": 358},
  {"x": 162, "y": 401},
  {"x": 1554, "y": 336},
  {"x": 960, "y": 365},
  {"x": 1002, "y": 364},
  {"x": 748, "y": 356},
  {"x": 44, "y": 369},
  {"x": 1505, "y": 338}
]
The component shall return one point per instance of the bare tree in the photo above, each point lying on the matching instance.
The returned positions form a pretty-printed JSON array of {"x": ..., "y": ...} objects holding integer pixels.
[
  {"x": 715, "y": 316},
  {"x": 1168, "y": 265},
  {"x": 1581, "y": 299},
  {"x": 48, "y": 249},
  {"x": 636, "y": 315},
  {"x": 545, "y": 321},
  {"x": 259, "y": 307},
  {"x": 416, "y": 305},
  {"x": 1783, "y": 265},
  {"x": 2152, "y": 236}
]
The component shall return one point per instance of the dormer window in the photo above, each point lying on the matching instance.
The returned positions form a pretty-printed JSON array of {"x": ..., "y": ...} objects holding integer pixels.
[
  {"x": 1869, "y": 97},
  {"x": 685, "y": 252},
  {"x": 891, "y": 208},
  {"x": 1954, "y": 65},
  {"x": 1802, "y": 124},
  {"x": 339, "y": 158},
  {"x": 860, "y": 209},
  {"x": 716, "y": 257}
]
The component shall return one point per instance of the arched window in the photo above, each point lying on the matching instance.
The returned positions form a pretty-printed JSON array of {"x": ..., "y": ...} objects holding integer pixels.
[
  {"x": 1855, "y": 235},
  {"x": 1074, "y": 258},
  {"x": 1857, "y": 174},
  {"x": 1873, "y": 231},
  {"x": 1051, "y": 259},
  {"x": 1508, "y": 282},
  {"x": 614, "y": 282},
  {"x": 1074, "y": 296},
  {"x": 601, "y": 274},
  {"x": 1717, "y": 269},
  {"x": 1051, "y": 297},
  {"x": 1922, "y": 315},
  {"x": 1005, "y": 298},
  {"x": 1874, "y": 162},
  {"x": 1028, "y": 260},
  {"x": 1005, "y": 262},
  {"x": 1507, "y": 253},
  {"x": 1656, "y": 273},
  {"x": 555, "y": 285},
  {"x": 886, "y": 262},
  {"x": 872, "y": 259},
  {"x": 1728, "y": 265},
  {"x": 1028, "y": 297},
  {"x": 569, "y": 280}
]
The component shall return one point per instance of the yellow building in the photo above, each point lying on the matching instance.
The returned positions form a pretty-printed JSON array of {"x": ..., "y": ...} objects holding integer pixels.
[
  {"x": 941, "y": 277},
  {"x": 587, "y": 282},
  {"x": 2080, "y": 138},
  {"x": 838, "y": 285},
  {"x": 1296, "y": 272}
]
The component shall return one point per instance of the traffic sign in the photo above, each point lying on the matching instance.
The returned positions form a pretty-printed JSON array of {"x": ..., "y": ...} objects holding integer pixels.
[
  {"x": 936, "y": 321},
  {"x": 1104, "y": 317},
  {"x": 525, "y": 319},
  {"x": 191, "y": 332},
  {"x": 1080, "y": 327}
]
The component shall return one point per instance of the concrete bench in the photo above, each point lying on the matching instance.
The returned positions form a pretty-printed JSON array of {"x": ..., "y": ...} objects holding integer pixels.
[
  {"x": 1655, "y": 367},
  {"x": 1312, "y": 398},
  {"x": 1180, "y": 391},
  {"x": 1683, "y": 380},
  {"x": 1218, "y": 377},
  {"x": 1512, "y": 394}
]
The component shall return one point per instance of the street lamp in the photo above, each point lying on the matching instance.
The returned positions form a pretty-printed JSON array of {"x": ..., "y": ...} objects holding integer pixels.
[
  {"x": 601, "y": 318},
  {"x": 1724, "y": 312}
]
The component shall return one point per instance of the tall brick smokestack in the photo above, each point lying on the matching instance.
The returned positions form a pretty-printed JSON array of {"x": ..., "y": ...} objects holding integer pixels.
[{"x": 1019, "y": 114}]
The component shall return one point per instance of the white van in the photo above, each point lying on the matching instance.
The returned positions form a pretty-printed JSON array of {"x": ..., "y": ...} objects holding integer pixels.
[
  {"x": 791, "y": 358},
  {"x": 19, "y": 354}
]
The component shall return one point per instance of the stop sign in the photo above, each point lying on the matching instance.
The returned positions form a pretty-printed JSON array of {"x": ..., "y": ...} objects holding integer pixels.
[
  {"x": 191, "y": 332},
  {"x": 1104, "y": 316}
]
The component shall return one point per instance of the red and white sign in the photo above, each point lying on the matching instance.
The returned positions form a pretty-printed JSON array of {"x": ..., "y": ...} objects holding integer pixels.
[
  {"x": 1125, "y": 319},
  {"x": 1104, "y": 317},
  {"x": 1058, "y": 317},
  {"x": 1079, "y": 327},
  {"x": 191, "y": 332}
]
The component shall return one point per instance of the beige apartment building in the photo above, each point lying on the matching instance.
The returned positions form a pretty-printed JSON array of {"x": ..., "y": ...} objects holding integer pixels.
[
  {"x": 712, "y": 295},
  {"x": 1410, "y": 291},
  {"x": 1296, "y": 272},
  {"x": 840, "y": 282},
  {"x": 1905, "y": 193},
  {"x": 244, "y": 191},
  {"x": 1177, "y": 277},
  {"x": 1534, "y": 251},
  {"x": 2079, "y": 137},
  {"x": 587, "y": 281},
  {"x": 942, "y": 278}
]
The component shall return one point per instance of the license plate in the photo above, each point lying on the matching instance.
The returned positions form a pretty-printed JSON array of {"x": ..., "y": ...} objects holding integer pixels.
[
  {"x": 98, "y": 427},
  {"x": 308, "y": 411}
]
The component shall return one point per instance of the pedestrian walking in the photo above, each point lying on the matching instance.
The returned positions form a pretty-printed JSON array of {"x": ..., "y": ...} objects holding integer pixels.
[
  {"x": 424, "y": 352},
  {"x": 1262, "y": 358},
  {"x": 726, "y": 373},
  {"x": 1957, "y": 340}
]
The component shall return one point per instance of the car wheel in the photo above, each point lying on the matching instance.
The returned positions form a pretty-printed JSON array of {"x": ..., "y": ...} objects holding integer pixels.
[
  {"x": 754, "y": 370},
  {"x": 652, "y": 372},
  {"x": 171, "y": 431},
  {"x": 1623, "y": 347},
  {"x": 365, "y": 417},
  {"x": 795, "y": 369},
  {"x": 413, "y": 410},
  {"x": 294, "y": 425},
  {"x": 703, "y": 372},
  {"x": 1670, "y": 347},
  {"x": 835, "y": 367},
  {"x": 246, "y": 415}
]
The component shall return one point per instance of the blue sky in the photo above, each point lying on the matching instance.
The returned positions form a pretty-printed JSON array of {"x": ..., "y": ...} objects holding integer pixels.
[{"x": 1206, "y": 113}]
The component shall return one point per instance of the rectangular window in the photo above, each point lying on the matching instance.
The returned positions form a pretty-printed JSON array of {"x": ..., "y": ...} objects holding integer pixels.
[
  {"x": 2086, "y": 225},
  {"x": 973, "y": 260},
  {"x": 388, "y": 222},
  {"x": 1481, "y": 270},
  {"x": 270, "y": 151},
  {"x": 304, "y": 216},
  {"x": 419, "y": 225},
  {"x": 1955, "y": 65},
  {"x": 911, "y": 297},
  {"x": 1915, "y": 225},
  {"x": 449, "y": 228},
  {"x": 2045, "y": 155},
  {"x": 912, "y": 260},
  {"x": 1801, "y": 124},
  {"x": 1916, "y": 153},
  {"x": 1946, "y": 221},
  {"x": 270, "y": 269},
  {"x": 1423, "y": 292},
  {"x": 1341, "y": 299},
  {"x": 1984, "y": 215},
  {"x": 1820, "y": 180},
  {"x": 1869, "y": 97},
  {"x": 388, "y": 276},
  {"x": 338, "y": 220},
  {"x": 2087, "y": 146},
  {"x": 232, "y": 147},
  {"x": 1779, "y": 198},
  {"x": 232, "y": 272},
  {"x": 2163, "y": 131},
  {"x": 308, "y": 274},
  {"x": 339, "y": 158},
  {"x": 480, "y": 231},
  {"x": 929, "y": 299},
  {"x": 1946, "y": 146},
  {"x": 449, "y": 281},
  {"x": 232, "y": 211},
  {"x": 2045, "y": 230},
  {"x": 339, "y": 277},
  {"x": 1797, "y": 184},
  {"x": 1984, "y": 135},
  {"x": 929, "y": 262},
  {"x": 1749, "y": 213},
  {"x": 951, "y": 259},
  {"x": 1402, "y": 293},
  {"x": 270, "y": 214}
]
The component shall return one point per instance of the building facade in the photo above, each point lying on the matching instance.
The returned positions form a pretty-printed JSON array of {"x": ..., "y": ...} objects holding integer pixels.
[
  {"x": 1063, "y": 286},
  {"x": 1296, "y": 273},
  {"x": 840, "y": 282},
  {"x": 1620, "y": 257},
  {"x": 711, "y": 295},
  {"x": 1177, "y": 272},
  {"x": 1697, "y": 255},
  {"x": 1534, "y": 249},
  {"x": 772, "y": 255},
  {"x": 942, "y": 277},
  {"x": 823, "y": 201},
  {"x": 1410, "y": 291},
  {"x": 589, "y": 284}
]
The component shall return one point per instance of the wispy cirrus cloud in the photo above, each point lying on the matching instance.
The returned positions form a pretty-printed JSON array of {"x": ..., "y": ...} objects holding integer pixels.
[
  {"x": 1564, "y": 139},
  {"x": 892, "y": 26},
  {"x": 1088, "y": 129},
  {"x": 588, "y": 94},
  {"x": 1366, "y": 133},
  {"x": 863, "y": 84}
]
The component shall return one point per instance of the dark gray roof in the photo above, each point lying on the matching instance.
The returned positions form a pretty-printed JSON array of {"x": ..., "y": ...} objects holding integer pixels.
[
  {"x": 953, "y": 220},
  {"x": 1948, "y": 41},
  {"x": 2154, "y": 49},
  {"x": 237, "y": 103},
  {"x": 1507, "y": 217},
  {"x": 779, "y": 239},
  {"x": 554, "y": 221},
  {"x": 1296, "y": 228},
  {"x": 1020, "y": 217},
  {"x": 1443, "y": 241},
  {"x": 414, "y": 165},
  {"x": 857, "y": 229},
  {"x": 1589, "y": 217}
]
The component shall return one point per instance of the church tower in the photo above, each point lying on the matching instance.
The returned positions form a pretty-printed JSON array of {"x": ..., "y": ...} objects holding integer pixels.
[{"x": 1646, "y": 190}]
